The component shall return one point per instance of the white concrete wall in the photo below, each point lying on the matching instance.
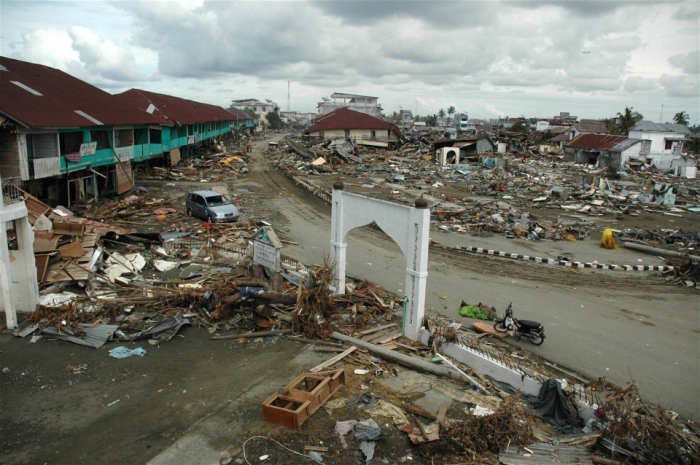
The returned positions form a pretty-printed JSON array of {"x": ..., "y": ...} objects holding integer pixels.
[
  {"x": 658, "y": 140},
  {"x": 22, "y": 286}
]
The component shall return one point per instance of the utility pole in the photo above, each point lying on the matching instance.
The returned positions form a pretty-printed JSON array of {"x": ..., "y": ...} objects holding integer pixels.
[
  {"x": 661, "y": 116},
  {"x": 289, "y": 100}
]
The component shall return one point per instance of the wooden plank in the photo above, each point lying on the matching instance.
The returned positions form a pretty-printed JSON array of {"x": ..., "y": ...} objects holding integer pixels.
[
  {"x": 409, "y": 389},
  {"x": 72, "y": 250},
  {"x": 381, "y": 302},
  {"x": 372, "y": 337},
  {"x": 45, "y": 245},
  {"x": 316, "y": 448},
  {"x": 314, "y": 341},
  {"x": 333, "y": 360},
  {"x": 417, "y": 410},
  {"x": 389, "y": 337},
  {"x": 246, "y": 335},
  {"x": 42, "y": 264},
  {"x": 486, "y": 328},
  {"x": 374, "y": 330},
  {"x": 68, "y": 229}
]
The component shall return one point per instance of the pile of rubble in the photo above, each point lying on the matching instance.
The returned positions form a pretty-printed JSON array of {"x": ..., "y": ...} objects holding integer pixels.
[
  {"x": 216, "y": 163},
  {"x": 499, "y": 193}
]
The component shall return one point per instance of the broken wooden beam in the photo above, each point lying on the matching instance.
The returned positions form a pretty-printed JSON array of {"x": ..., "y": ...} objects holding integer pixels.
[
  {"x": 246, "y": 335},
  {"x": 333, "y": 360}
]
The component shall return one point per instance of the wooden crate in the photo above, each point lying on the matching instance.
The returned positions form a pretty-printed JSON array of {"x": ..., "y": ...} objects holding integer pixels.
[{"x": 302, "y": 398}]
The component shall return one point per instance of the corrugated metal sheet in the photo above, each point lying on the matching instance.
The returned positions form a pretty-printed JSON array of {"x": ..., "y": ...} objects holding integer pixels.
[
  {"x": 596, "y": 141},
  {"x": 344, "y": 118},
  {"x": 95, "y": 336},
  {"x": 545, "y": 454},
  {"x": 61, "y": 95}
]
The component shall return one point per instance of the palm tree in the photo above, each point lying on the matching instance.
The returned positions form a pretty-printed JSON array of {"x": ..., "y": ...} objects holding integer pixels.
[
  {"x": 451, "y": 110},
  {"x": 627, "y": 120},
  {"x": 441, "y": 113},
  {"x": 681, "y": 118}
]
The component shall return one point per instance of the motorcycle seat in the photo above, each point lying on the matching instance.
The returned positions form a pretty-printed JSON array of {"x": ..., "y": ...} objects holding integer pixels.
[{"x": 529, "y": 325}]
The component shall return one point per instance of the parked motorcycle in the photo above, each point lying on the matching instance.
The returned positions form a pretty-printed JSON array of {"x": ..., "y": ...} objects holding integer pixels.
[{"x": 520, "y": 328}]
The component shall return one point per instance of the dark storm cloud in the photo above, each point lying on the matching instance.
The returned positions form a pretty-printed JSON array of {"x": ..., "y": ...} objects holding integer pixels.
[{"x": 509, "y": 44}]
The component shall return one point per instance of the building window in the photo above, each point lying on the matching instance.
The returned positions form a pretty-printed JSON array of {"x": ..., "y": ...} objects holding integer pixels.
[
  {"x": 155, "y": 136},
  {"x": 11, "y": 231},
  {"x": 141, "y": 136},
  {"x": 102, "y": 139},
  {"x": 669, "y": 144},
  {"x": 123, "y": 137},
  {"x": 70, "y": 142}
]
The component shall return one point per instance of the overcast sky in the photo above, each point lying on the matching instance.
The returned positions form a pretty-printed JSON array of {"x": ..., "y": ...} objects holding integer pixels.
[{"x": 486, "y": 58}]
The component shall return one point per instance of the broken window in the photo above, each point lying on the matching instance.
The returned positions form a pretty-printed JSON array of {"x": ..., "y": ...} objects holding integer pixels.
[
  {"x": 11, "y": 231},
  {"x": 155, "y": 136},
  {"x": 123, "y": 137},
  {"x": 102, "y": 139},
  {"x": 70, "y": 142}
]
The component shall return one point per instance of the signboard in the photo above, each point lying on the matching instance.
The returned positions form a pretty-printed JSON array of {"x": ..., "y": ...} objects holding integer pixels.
[
  {"x": 124, "y": 153},
  {"x": 190, "y": 139},
  {"x": 88, "y": 149},
  {"x": 266, "y": 255}
]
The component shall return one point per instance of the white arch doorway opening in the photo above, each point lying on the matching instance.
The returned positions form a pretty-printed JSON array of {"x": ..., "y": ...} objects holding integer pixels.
[{"x": 407, "y": 226}]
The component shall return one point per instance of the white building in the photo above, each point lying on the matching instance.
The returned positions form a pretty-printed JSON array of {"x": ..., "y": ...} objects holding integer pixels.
[
  {"x": 666, "y": 143},
  {"x": 260, "y": 108},
  {"x": 361, "y": 103},
  {"x": 461, "y": 122}
]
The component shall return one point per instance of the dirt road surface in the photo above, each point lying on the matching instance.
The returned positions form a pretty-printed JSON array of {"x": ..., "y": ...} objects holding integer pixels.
[{"x": 192, "y": 398}]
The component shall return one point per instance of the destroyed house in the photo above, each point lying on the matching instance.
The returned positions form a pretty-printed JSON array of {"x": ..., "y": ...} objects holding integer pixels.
[
  {"x": 665, "y": 143},
  {"x": 63, "y": 139},
  {"x": 345, "y": 123},
  {"x": 191, "y": 122},
  {"x": 461, "y": 151},
  {"x": 603, "y": 150}
]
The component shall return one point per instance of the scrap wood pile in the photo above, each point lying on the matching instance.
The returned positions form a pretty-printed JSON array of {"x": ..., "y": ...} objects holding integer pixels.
[
  {"x": 212, "y": 163},
  {"x": 634, "y": 432},
  {"x": 511, "y": 425}
]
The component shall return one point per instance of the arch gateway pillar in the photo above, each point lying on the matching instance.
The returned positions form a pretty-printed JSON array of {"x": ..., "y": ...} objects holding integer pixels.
[{"x": 407, "y": 226}]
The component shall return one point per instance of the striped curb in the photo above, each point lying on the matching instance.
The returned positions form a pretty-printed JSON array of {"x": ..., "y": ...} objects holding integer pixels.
[{"x": 551, "y": 261}]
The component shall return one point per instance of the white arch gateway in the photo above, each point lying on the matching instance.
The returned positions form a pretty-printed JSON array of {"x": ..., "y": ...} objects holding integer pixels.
[{"x": 407, "y": 226}]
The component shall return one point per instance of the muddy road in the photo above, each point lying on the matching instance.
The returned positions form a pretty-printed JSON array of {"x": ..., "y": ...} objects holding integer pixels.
[
  {"x": 624, "y": 325},
  {"x": 192, "y": 398}
]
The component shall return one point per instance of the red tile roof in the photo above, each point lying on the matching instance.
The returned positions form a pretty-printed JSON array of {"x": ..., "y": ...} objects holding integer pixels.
[
  {"x": 175, "y": 108},
  {"x": 596, "y": 141},
  {"x": 60, "y": 97},
  {"x": 344, "y": 118}
]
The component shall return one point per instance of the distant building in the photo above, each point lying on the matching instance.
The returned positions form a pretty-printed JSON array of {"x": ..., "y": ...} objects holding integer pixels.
[
  {"x": 260, "y": 108},
  {"x": 461, "y": 121},
  {"x": 666, "y": 142},
  {"x": 603, "y": 150},
  {"x": 406, "y": 119},
  {"x": 345, "y": 123},
  {"x": 361, "y": 103}
]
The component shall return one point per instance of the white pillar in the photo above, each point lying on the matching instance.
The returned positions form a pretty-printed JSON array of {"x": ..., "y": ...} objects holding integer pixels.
[
  {"x": 417, "y": 269},
  {"x": 338, "y": 247},
  {"x": 5, "y": 277}
]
